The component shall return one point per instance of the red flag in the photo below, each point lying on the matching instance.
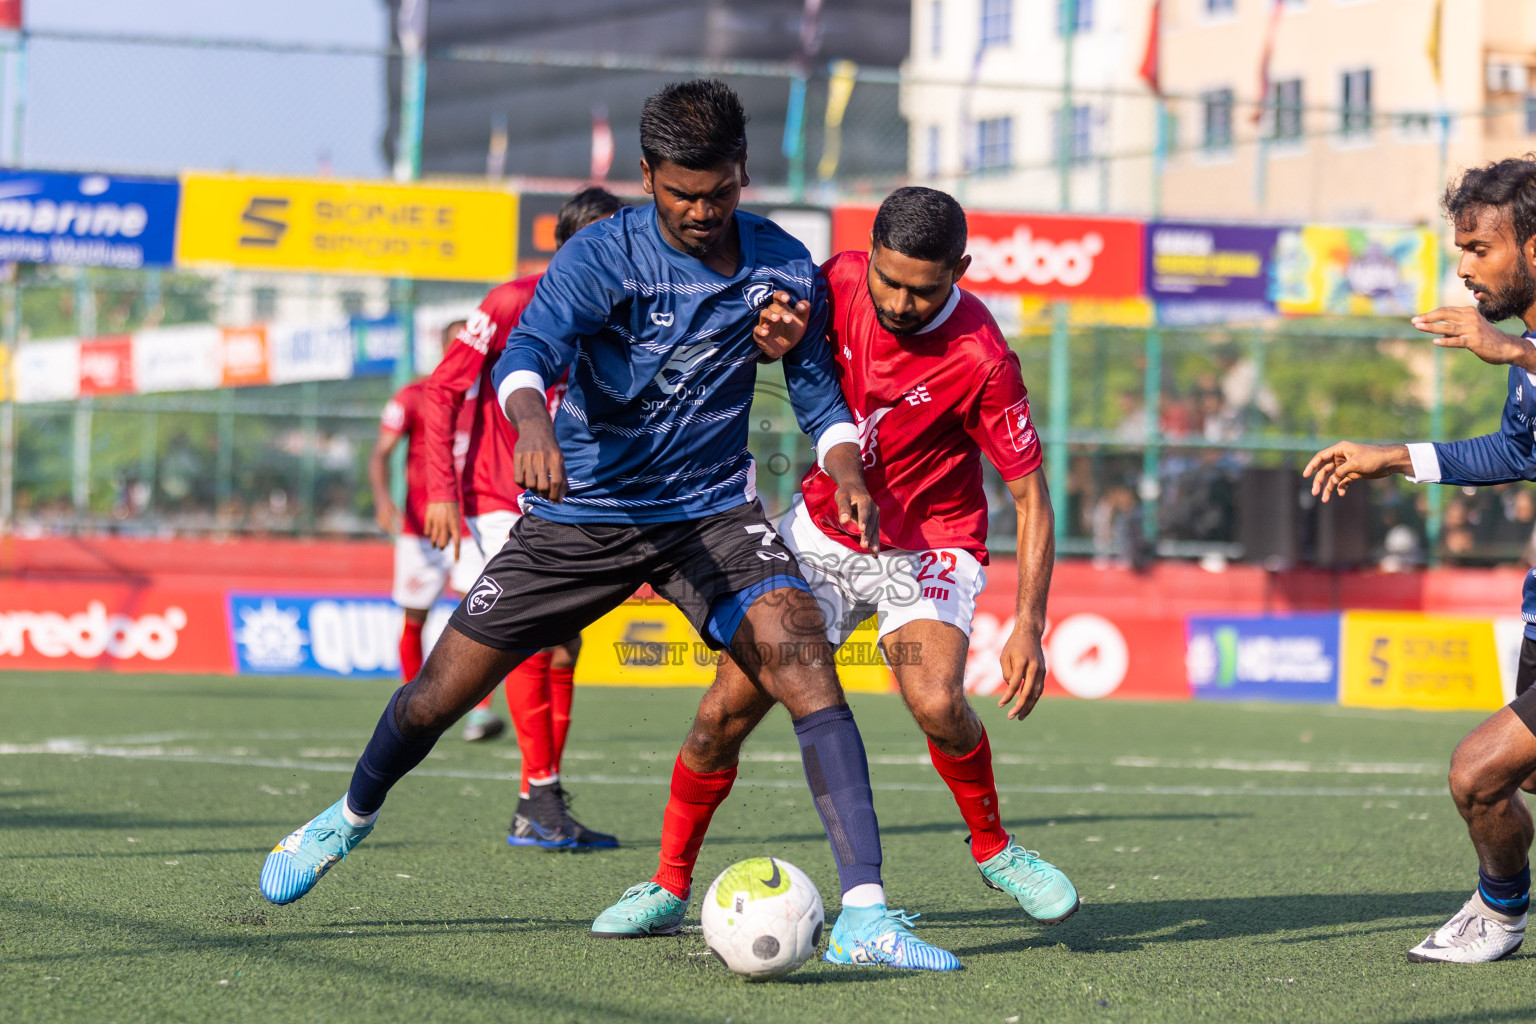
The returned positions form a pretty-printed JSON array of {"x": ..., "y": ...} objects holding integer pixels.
[
  {"x": 10, "y": 14},
  {"x": 1269, "y": 46},
  {"x": 602, "y": 144},
  {"x": 1150, "y": 71}
]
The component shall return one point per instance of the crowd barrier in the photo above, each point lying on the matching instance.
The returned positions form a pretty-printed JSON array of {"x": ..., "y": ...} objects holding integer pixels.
[{"x": 1441, "y": 639}]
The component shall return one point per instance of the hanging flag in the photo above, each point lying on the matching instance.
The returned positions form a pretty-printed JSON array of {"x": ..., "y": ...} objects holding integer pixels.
[
  {"x": 1269, "y": 47},
  {"x": 839, "y": 89},
  {"x": 602, "y": 144},
  {"x": 1432, "y": 44},
  {"x": 10, "y": 15},
  {"x": 1151, "y": 59}
]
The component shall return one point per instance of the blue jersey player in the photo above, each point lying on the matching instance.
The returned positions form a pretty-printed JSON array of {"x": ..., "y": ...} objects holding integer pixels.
[
  {"x": 643, "y": 477},
  {"x": 1493, "y": 209}
]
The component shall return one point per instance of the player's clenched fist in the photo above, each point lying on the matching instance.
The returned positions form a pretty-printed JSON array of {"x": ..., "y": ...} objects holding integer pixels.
[
  {"x": 780, "y": 325},
  {"x": 1336, "y": 467},
  {"x": 537, "y": 464}
]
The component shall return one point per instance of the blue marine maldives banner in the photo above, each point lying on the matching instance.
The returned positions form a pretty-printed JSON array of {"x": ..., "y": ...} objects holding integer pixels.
[
  {"x": 356, "y": 636},
  {"x": 1211, "y": 273},
  {"x": 93, "y": 220},
  {"x": 1281, "y": 658}
]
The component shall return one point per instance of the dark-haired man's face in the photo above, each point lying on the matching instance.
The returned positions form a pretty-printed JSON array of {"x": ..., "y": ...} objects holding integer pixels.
[
  {"x": 694, "y": 208},
  {"x": 1493, "y": 266},
  {"x": 909, "y": 292}
]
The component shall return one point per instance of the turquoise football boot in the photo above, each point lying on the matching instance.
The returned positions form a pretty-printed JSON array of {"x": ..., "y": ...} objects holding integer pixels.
[
  {"x": 1045, "y": 893},
  {"x": 302, "y": 859},
  {"x": 875, "y": 936},
  {"x": 644, "y": 909}
]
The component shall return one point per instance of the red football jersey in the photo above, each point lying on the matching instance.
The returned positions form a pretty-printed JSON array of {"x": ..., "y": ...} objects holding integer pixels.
[
  {"x": 487, "y": 483},
  {"x": 927, "y": 406},
  {"x": 405, "y": 414}
]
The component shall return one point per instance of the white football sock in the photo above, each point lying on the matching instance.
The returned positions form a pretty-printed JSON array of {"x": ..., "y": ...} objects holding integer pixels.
[
  {"x": 870, "y": 894},
  {"x": 354, "y": 819}
]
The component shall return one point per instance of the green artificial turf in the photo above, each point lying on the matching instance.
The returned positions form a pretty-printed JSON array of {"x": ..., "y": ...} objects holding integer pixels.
[{"x": 1235, "y": 863}]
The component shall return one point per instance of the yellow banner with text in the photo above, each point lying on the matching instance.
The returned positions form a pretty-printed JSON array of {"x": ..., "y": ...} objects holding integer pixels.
[
  {"x": 1405, "y": 660},
  {"x": 449, "y": 233}
]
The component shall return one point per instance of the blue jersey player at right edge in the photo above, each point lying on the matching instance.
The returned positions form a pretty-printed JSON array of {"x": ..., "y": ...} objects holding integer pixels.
[
  {"x": 1493, "y": 209},
  {"x": 644, "y": 477}
]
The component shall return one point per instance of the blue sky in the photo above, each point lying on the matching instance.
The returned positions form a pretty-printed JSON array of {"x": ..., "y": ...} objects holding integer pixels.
[{"x": 134, "y": 108}]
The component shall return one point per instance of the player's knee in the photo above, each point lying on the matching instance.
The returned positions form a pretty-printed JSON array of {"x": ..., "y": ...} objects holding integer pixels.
[
  {"x": 564, "y": 655},
  {"x": 714, "y": 741},
  {"x": 1477, "y": 783},
  {"x": 941, "y": 714}
]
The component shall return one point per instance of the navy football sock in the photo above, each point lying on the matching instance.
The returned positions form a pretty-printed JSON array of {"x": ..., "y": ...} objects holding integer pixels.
[
  {"x": 838, "y": 774},
  {"x": 385, "y": 761},
  {"x": 1510, "y": 895}
]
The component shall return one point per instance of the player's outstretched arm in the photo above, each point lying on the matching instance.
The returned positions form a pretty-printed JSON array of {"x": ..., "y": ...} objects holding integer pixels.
[
  {"x": 1023, "y": 657},
  {"x": 780, "y": 325},
  {"x": 537, "y": 463},
  {"x": 1337, "y": 466},
  {"x": 1464, "y": 327},
  {"x": 855, "y": 507}
]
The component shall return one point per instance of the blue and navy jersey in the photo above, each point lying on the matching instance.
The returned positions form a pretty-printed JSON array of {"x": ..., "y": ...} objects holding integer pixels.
[
  {"x": 1498, "y": 458},
  {"x": 663, "y": 367}
]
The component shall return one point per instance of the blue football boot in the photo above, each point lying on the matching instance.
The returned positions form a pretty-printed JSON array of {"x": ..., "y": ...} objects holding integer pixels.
[
  {"x": 302, "y": 859},
  {"x": 875, "y": 936}
]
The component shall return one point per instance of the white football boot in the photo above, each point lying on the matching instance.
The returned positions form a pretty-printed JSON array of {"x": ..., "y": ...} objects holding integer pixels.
[{"x": 1478, "y": 934}]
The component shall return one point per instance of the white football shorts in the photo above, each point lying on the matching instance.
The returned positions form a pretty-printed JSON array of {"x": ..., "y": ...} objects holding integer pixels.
[
  {"x": 422, "y": 572},
  {"x": 897, "y": 586}
]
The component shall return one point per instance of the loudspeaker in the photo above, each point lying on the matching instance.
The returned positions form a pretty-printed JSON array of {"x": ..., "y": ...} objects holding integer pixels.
[
  {"x": 1269, "y": 520},
  {"x": 1343, "y": 529}
]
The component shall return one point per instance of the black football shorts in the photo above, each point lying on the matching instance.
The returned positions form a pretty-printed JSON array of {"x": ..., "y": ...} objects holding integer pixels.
[
  {"x": 551, "y": 580},
  {"x": 1524, "y": 703}
]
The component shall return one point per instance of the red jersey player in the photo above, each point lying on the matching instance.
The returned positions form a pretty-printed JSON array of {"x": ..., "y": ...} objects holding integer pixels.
[
  {"x": 933, "y": 387},
  {"x": 422, "y": 571},
  {"x": 539, "y": 690}
]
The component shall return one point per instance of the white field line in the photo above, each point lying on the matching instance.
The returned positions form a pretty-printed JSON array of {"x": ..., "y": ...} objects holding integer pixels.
[{"x": 183, "y": 755}]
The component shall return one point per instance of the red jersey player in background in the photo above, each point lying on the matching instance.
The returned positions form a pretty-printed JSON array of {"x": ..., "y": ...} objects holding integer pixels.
[
  {"x": 539, "y": 691},
  {"x": 422, "y": 570},
  {"x": 933, "y": 387}
]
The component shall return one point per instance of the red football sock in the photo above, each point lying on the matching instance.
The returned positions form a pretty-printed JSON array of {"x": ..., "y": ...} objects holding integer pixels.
[
  {"x": 695, "y": 796},
  {"x": 561, "y": 689},
  {"x": 410, "y": 649},
  {"x": 528, "y": 701},
  {"x": 970, "y": 780}
]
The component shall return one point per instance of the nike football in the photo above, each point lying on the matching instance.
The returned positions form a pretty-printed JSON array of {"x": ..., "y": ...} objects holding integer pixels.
[{"x": 762, "y": 917}]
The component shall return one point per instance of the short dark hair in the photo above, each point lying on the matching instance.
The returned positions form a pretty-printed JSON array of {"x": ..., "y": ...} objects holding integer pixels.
[
  {"x": 1508, "y": 185},
  {"x": 923, "y": 223},
  {"x": 698, "y": 125},
  {"x": 590, "y": 204}
]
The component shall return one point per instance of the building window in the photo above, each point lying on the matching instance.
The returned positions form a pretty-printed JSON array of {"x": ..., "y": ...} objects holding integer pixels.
[
  {"x": 1355, "y": 105},
  {"x": 1079, "y": 138},
  {"x": 996, "y": 22},
  {"x": 263, "y": 303},
  {"x": 1220, "y": 6},
  {"x": 1216, "y": 110},
  {"x": 936, "y": 28},
  {"x": 1084, "y": 16},
  {"x": 994, "y": 144},
  {"x": 933, "y": 151},
  {"x": 1286, "y": 110}
]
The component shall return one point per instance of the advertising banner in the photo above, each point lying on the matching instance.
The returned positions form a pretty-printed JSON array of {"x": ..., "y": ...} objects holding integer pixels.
[
  {"x": 292, "y": 634},
  {"x": 1293, "y": 658},
  {"x": 309, "y": 352},
  {"x": 1355, "y": 271},
  {"x": 47, "y": 371},
  {"x": 1405, "y": 660},
  {"x": 112, "y": 627},
  {"x": 92, "y": 220},
  {"x": 187, "y": 358},
  {"x": 1211, "y": 273},
  {"x": 106, "y": 366},
  {"x": 245, "y": 359},
  {"x": 378, "y": 343},
  {"x": 439, "y": 232},
  {"x": 1032, "y": 254}
]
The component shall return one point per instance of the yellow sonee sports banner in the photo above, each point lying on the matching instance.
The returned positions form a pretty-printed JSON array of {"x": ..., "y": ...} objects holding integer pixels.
[
  {"x": 1403, "y": 660},
  {"x": 450, "y": 233}
]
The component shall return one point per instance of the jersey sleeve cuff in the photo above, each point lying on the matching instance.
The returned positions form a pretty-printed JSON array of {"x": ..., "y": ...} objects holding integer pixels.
[
  {"x": 1426, "y": 463},
  {"x": 516, "y": 381},
  {"x": 838, "y": 433}
]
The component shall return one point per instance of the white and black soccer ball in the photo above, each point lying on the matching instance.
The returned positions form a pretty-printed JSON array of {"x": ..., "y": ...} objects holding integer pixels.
[{"x": 763, "y": 917}]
